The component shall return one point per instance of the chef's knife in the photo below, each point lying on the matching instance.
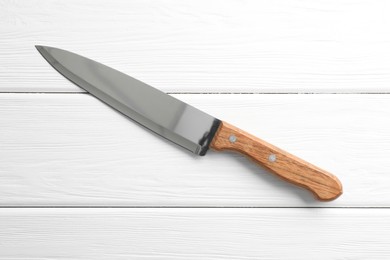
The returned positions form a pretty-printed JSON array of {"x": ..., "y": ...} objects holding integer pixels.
[{"x": 183, "y": 124}]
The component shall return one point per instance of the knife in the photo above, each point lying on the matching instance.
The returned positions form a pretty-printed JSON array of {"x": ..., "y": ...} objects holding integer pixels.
[{"x": 183, "y": 124}]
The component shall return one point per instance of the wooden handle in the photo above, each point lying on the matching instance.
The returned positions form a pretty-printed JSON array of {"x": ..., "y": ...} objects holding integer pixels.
[{"x": 324, "y": 185}]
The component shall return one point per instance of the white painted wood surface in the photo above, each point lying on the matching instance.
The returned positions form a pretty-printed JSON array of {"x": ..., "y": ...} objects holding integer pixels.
[
  {"x": 64, "y": 154},
  {"x": 203, "y": 45},
  {"x": 194, "y": 234},
  {"x": 71, "y": 149}
]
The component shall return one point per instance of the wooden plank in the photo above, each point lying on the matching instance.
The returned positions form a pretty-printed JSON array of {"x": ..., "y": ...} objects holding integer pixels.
[
  {"x": 203, "y": 46},
  {"x": 72, "y": 150},
  {"x": 194, "y": 234}
]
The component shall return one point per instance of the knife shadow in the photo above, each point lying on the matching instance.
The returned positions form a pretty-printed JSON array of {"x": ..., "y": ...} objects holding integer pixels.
[
  {"x": 271, "y": 179},
  {"x": 260, "y": 172}
]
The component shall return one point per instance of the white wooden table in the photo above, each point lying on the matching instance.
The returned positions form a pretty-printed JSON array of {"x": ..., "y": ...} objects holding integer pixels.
[{"x": 80, "y": 181}]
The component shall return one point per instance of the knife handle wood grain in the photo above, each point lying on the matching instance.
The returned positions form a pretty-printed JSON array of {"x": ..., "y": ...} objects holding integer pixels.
[{"x": 322, "y": 184}]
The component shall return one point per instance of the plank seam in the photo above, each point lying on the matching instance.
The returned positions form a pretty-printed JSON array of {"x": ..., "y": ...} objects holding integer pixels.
[
  {"x": 224, "y": 93},
  {"x": 191, "y": 207}
]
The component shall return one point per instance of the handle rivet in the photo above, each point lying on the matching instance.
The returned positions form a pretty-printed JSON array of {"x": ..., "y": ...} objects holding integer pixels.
[
  {"x": 272, "y": 157},
  {"x": 232, "y": 138}
]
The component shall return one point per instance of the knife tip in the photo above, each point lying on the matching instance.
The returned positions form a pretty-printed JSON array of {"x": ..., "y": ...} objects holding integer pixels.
[
  {"x": 39, "y": 47},
  {"x": 42, "y": 47}
]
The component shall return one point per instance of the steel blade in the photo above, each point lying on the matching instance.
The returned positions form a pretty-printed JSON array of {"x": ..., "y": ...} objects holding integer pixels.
[{"x": 163, "y": 114}]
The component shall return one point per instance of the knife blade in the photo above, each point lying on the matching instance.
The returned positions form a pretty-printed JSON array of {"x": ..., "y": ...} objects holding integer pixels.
[{"x": 184, "y": 124}]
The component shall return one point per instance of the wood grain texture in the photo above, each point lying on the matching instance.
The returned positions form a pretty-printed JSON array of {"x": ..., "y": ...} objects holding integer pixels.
[
  {"x": 72, "y": 150},
  {"x": 334, "y": 46},
  {"x": 324, "y": 185},
  {"x": 195, "y": 234}
]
